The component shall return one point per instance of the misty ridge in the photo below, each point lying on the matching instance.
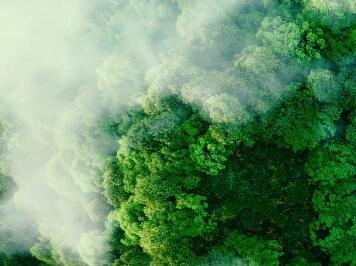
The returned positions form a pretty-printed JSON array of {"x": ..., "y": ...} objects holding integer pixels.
[{"x": 178, "y": 132}]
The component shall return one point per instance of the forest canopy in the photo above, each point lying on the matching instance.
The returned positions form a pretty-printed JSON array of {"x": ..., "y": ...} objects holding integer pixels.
[{"x": 210, "y": 133}]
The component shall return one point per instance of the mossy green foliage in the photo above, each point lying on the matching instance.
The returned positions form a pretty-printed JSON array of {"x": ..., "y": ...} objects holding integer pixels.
[
  {"x": 262, "y": 177},
  {"x": 243, "y": 150},
  {"x": 189, "y": 188}
]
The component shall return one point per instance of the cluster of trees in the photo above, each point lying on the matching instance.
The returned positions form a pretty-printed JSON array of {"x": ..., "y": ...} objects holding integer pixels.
[
  {"x": 241, "y": 151},
  {"x": 242, "y": 154}
]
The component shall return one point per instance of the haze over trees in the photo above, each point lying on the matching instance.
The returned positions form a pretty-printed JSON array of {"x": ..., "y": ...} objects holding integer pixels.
[{"x": 212, "y": 133}]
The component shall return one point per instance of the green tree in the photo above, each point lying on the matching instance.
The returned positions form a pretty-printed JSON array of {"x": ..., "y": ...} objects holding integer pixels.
[
  {"x": 254, "y": 250},
  {"x": 332, "y": 167},
  {"x": 324, "y": 86}
]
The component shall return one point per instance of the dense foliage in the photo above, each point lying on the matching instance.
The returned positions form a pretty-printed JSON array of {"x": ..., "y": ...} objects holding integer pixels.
[
  {"x": 242, "y": 150},
  {"x": 262, "y": 169}
]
